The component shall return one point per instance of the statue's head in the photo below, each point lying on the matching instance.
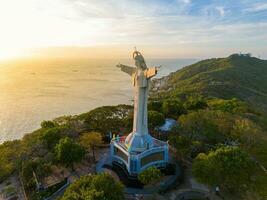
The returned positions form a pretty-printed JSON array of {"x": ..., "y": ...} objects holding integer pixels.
[{"x": 139, "y": 60}]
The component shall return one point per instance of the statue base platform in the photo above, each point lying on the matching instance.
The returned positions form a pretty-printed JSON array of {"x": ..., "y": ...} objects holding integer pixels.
[
  {"x": 173, "y": 175},
  {"x": 135, "y": 161}
]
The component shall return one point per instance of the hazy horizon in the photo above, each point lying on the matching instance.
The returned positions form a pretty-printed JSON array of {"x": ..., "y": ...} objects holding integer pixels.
[{"x": 88, "y": 53}]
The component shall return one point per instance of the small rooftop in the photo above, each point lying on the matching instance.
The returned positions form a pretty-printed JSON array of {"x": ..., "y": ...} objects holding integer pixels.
[{"x": 168, "y": 125}]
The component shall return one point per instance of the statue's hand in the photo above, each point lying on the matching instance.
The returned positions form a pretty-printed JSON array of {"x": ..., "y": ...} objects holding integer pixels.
[{"x": 127, "y": 69}]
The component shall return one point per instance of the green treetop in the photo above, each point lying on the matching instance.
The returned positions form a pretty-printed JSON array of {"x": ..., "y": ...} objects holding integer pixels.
[
  {"x": 68, "y": 152},
  {"x": 229, "y": 167},
  {"x": 155, "y": 119},
  {"x": 90, "y": 141},
  {"x": 94, "y": 187},
  {"x": 149, "y": 175}
]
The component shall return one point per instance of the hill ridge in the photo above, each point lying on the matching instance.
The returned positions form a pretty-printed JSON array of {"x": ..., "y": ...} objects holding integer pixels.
[{"x": 237, "y": 75}]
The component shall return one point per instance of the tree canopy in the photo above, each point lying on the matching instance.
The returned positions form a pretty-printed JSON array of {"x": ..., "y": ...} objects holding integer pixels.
[
  {"x": 246, "y": 132},
  {"x": 51, "y": 136},
  {"x": 107, "y": 118},
  {"x": 182, "y": 145},
  {"x": 69, "y": 152},
  {"x": 10, "y": 157},
  {"x": 210, "y": 126},
  {"x": 91, "y": 140},
  {"x": 94, "y": 187},
  {"x": 232, "y": 105},
  {"x": 172, "y": 108},
  {"x": 228, "y": 166},
  {"x": 195, "y": 102},
  {"x": 155, "y": 119},
  {"x": 155, "y": 105},
  {"x": 149, "y": 175},
  {"x": 48, "y": 124}
]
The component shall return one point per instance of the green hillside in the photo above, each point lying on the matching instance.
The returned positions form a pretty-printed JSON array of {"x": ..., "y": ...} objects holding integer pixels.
[
  {"x": 216, "y": 101},
  {"x": 239, "y": 76}
]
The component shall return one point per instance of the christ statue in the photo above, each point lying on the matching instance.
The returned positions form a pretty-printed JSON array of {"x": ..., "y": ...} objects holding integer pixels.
[{"x": 139, "y": 140}]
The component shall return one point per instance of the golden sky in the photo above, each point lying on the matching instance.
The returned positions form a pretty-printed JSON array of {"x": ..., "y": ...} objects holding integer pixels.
[{"x": 161, "y": 28}]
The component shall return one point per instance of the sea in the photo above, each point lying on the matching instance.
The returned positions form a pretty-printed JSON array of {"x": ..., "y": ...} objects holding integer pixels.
[{"x": 42, "y": 89}]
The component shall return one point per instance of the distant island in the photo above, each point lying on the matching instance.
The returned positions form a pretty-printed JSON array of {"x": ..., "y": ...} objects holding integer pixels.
[{"x": 219, "y": 104}]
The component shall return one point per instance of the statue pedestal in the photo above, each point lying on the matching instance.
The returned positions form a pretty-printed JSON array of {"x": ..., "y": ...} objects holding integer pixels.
[{"x": 137, "y": 161}]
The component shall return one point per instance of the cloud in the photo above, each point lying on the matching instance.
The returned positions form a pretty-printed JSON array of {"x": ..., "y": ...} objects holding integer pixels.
[
  {"x": 186, "y": 1},
  {"x": 221, "y": 10},
  {"x": 176, "y": 23},
  {"x": 257, "y": 8}
]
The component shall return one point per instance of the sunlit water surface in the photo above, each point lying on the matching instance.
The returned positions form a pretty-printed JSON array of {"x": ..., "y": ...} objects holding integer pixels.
[{"x": 33, "y": 91}]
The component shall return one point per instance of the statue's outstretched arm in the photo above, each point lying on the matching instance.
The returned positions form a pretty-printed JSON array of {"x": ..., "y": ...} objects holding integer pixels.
[{"x": 127, "y": 69}]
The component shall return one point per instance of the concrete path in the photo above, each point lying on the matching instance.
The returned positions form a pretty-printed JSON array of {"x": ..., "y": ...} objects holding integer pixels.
[{"x": 198, "y": 186}]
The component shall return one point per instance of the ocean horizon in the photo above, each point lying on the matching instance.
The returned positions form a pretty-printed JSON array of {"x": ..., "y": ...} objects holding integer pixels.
[{"x": 44, "y": 90}]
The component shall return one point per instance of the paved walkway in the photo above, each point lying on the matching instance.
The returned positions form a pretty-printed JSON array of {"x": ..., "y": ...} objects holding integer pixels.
[
  {"x": 84, "y": 169},
  {"x": 190, "y": 185}
]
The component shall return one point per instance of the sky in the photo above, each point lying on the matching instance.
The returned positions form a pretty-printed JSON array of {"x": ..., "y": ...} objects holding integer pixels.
[{"x": 111, "y": 28}]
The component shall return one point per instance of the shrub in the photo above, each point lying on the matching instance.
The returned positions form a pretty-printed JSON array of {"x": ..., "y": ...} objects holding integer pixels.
[
  {"x": 149, "y": 175},
  {"x": 95, "y": 187}
]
